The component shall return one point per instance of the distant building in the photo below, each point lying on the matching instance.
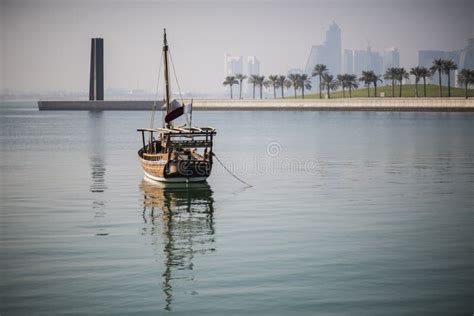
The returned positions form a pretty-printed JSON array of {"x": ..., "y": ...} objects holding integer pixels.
[
  {"x": 466, "y": 55},
  {"x": 233, "y": 65},
  {"x": 333, "y": 49},
  {"x": 360, "y": 61},
  {"x": 294, "y": 71},
  {"x": 348, "y": 61},
  {"x": 329, "y": 53},
  {"x": 364, "y": 60},
  {"x": 426, "y": 57},
  {"x": 317, "y": 55},
  {"x": 374, "y": 61},
  {"x": 464, "y": 58},
  {"x": 253, "y": 66},
  {"x": 391, "y": 58}
]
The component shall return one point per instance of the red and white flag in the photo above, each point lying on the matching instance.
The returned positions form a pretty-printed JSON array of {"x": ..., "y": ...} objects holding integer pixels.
[{"x": 176, "y": 110}]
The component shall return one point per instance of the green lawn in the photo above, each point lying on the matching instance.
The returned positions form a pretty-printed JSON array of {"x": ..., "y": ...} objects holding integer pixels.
[{"x": 407, "y": 91}]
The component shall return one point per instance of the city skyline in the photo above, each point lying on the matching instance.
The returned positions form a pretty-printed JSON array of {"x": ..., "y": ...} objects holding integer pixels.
[
  {"x": 339, "y": 60},
  {"x": 45, "y": 44}
]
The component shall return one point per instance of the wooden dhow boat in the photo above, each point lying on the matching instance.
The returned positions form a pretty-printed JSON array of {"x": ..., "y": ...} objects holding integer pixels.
[{"x": 176, "y": 154}]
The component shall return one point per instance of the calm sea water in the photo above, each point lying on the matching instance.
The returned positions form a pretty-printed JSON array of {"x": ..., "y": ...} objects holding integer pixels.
[{"x": 349, "y": 214}]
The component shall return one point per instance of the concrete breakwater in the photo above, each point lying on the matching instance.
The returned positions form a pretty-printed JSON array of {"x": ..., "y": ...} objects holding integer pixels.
[
  {"x": 112, "y": 105},
  {"x": 354, "y": 104}
]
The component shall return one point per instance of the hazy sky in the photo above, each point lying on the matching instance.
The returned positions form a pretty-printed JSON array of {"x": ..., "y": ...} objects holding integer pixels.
[{"x": 45, "y": 45}]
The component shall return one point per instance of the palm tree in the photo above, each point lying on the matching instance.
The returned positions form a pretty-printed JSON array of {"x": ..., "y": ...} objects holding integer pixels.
[
  {"x": 346, "y": 81},
  {"x": 401, "y": 74},
  {"x": 260, "y": 82},
  {"x": 367, "y": 77},
  {"x": 341, "y": 80},
  {"x": 273, "y": 80},
  {"x": 294, "y": 78},
  {"x": 375, "y": 79},
  {"x": 417, "y": 72},
  {"x": 438, "y": 67},
  {"x": 288, "y": 84},
  {"x": 391, "y": 74},
  {"x": 466, "y": 78},
  {"x": 449, "y": 65},
  {"x": 253, "y": 79},
  {"x": 281, "y": 84},
  {"x": 267, "y": 84},
  {"x": 329, "y": 83},
  {"x": 230, "y": 81},
  {"x": 304, "y": 82},
  {"x": 424, "y": 73},
  {"x": 319, "y": 70},
  {"x": 241, "y": 78},
  {"x": 351, "y": 82}
]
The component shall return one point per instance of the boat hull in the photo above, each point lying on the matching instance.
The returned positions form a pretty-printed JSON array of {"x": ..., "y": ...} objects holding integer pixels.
[
  {"x": 160, "y": 171},
  {"x": 175, "y": 179}
]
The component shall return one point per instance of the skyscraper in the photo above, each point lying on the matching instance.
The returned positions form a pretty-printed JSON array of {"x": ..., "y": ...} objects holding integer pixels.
[
  {"x": 466, "y": 56},
  {"x": 253, "y": 66},
  {"x": 360, "y": 61},
  {"x": 294, "y": 71},
  {"x": 348, "y": 61},
  {"x": 391, "y": 58},
  {"x": 233, "y": 65},
  {"x": 426, "y": 57},
  {"x": 374, "y": 61},
  {"x": 333, "y": 48},
  {"x": 328, "y": 54},
  {"x": 365, "y": 60},
  {"x": 317, "y": 55}
]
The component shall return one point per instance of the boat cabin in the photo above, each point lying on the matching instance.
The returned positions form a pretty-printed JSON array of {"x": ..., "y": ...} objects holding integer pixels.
[
  {"x": 164, "y": 143},
  {"x": 178, "y": 152}
]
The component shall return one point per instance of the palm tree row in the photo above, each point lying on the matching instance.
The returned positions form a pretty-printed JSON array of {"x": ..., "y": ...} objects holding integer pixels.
[
  {"x": 395, "y": 74},
  {"x": 420, "y": 72},
  {"x": 297, "y": 81},
  {"x": 349, "y": 81},
  {"x": 440, "y": 66}
]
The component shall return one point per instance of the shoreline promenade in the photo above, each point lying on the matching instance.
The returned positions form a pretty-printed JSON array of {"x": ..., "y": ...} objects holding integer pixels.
[{"x": 347, "y": 104}]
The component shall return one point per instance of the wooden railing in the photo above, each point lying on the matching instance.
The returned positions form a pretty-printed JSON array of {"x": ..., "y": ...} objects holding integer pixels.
[{"x": 188, "y": 143}]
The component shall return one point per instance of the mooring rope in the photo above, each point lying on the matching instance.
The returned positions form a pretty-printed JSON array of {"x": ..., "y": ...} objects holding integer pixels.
[{"x": 230, "y": 172}]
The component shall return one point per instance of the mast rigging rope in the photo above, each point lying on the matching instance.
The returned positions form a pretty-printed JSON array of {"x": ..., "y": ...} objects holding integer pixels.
[
  {"x": 156, "y": 94},
  {"x": 175, "y": 77}
]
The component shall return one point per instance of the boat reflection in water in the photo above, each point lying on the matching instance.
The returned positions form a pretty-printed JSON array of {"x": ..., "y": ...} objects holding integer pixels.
[
  {"x": 179, "y": 217},
  {"x": 97, "y": 162}
]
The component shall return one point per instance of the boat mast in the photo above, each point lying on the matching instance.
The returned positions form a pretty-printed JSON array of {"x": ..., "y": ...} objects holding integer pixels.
[{"x": 167, "y": 84}]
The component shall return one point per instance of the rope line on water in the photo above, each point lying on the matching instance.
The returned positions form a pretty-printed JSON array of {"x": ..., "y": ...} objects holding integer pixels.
[{"x": 230, "y": 172}]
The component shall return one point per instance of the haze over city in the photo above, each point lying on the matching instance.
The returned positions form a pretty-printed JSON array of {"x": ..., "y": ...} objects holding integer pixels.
[{"x": 45, "y": 45}]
